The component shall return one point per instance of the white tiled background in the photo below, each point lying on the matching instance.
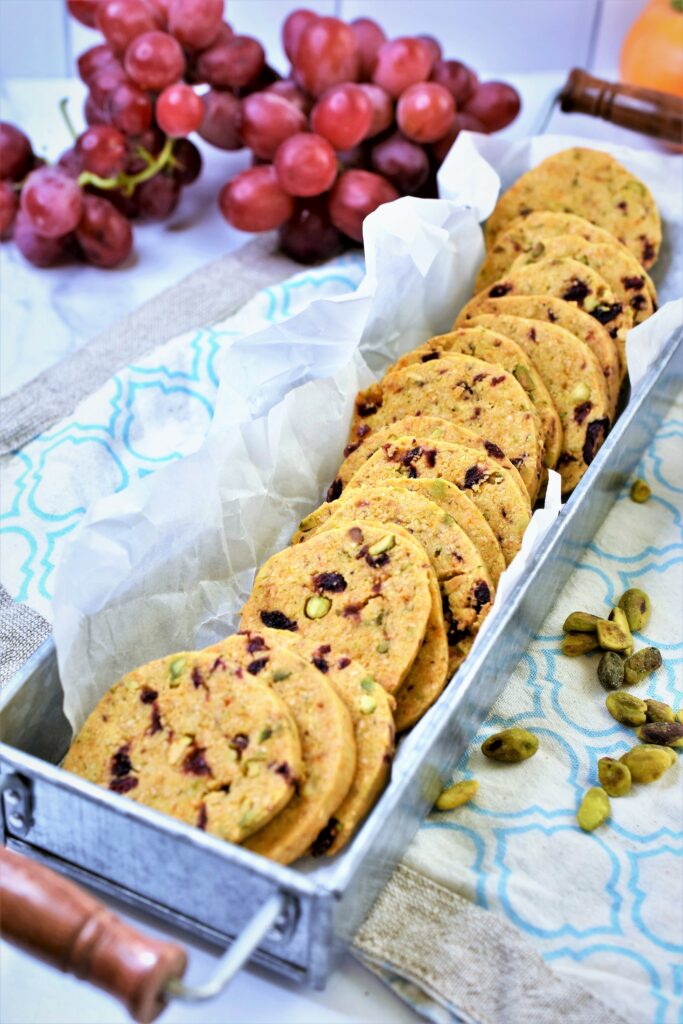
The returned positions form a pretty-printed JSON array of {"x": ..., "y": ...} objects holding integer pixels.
[{"x": 37, "y": 39}]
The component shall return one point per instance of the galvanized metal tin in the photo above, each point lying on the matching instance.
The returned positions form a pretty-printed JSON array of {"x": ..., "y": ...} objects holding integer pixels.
[{"x": 210, "y": 888}]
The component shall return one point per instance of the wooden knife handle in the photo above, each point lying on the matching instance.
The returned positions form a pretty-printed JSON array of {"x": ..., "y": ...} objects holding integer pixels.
[
  {"x": 53, "y": 919},
  {"x": 647, "y": 111}
]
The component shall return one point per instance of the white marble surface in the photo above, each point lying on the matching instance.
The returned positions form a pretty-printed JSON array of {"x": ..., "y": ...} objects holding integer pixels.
[{"x": 45, "y": 315}]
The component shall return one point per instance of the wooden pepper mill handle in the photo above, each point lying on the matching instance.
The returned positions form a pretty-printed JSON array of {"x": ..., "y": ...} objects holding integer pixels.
[
  {"x": 647, "y": 111},
  {"x": 53, "y": 919}
]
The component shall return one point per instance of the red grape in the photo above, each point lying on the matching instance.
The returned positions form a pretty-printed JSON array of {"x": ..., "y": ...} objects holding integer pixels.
[
  {"x": 93, "y": 59},
  {"x": 309, "y": 235},
  {"x": 155, "y": 60},
  {"x": 225, "y": 32},
  {"x": 267, "y": 120},
  {"x": 355, "y": 195},
  {"x": 103, "y": 150},
  {"x": 382, "y": 108},
  {"x": 425, "y": 112},
  {"x": 16, "y": 155},
  {"x": 104, "y": 81},
  {"x": 9, "y": 204},
  {"x": 83, "y": 11},
  {"x": 289, "y": 90},
  {"x": 460, "y": 80},
  {"x": 130, "y": 109},
  {"x": 401, "y": 162},
  {"x": 159, "y": 9},
  {"x": 233, "y": 63},
  {"x": 157, "y": 198},
  {"x": 343, "y": 115},
  {"x": 94, "y": 113},
  {"x": 255, "y": 201},
  {"x": 293, "y": 28},
  {"x": 187, "y": 162},
  {"x": 306, "y": 165},
  {"x": 357, "y": 158},
  {"x": 37, "y": 249},
  {"x": 401, "y": 63},
  {"x": 179, "y": 110},
  {"x": 434, "y": 47},
  {"x": 70, "y": 162},
  {"x": 121, "y": 21},
  {"x": 195, "y": 23},
  {"x": 494, "y": 104},
  {"x": 103, "y": 234},
  {"x": 52, "y": 201},
  {"x": 327, "y": 55},
  {"x": 461, "y": 122},
  {"x": 222, "y": 120},
  {"x": 369, "y": 37}
]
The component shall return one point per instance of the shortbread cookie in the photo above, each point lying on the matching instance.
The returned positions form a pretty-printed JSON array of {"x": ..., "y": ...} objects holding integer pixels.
[
  {"x": 487, "y": 485},
  {"x": 564, "y": 314},
  {"x": 590, "y": 184},
  {"x": 494, "y": 347},
  {"x": 481, "y": 396},
  {"x": 575, "y": 381},
  {"x": 371, "y": 710},
  {"x": 196, "y": 735},
  {"x": 364, "y": 589}
]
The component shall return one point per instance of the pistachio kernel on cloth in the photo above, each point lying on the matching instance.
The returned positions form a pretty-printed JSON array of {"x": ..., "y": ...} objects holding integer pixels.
[
  {"x": 594, "y": 809},
  {"x": 640, "y": 491},
  {"x": 666, "y": 734},
  {"x": 611, "y": 671},
  {"x": 574, "y": 644},
  {"x": 615, "y": 777},
  {"x": 637, "y": 607},
  {"x": 456, "y": 795},
  {"x": 611, "y": 637},
  {"x": 618, "y": 616},
  {"x": 641, "y": 664},
  {"x": 625, "y": 708},
  {"x": 510, "y": 746},
  {"x": 580, "y": 622},
  {"x": 658, "y": 711},
  {"x": 647, "y": 762}
]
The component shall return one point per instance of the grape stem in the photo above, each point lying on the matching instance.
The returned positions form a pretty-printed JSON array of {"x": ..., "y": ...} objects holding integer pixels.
[
  {"x": 63, "y": 105},
  {"x": 127, "y": 183}
]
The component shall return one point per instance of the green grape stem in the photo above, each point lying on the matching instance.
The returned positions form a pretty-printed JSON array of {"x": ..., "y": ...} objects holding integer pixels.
[{"x": 127, "y": 183}]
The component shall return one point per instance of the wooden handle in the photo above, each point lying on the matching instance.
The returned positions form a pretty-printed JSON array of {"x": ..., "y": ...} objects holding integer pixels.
[
  {"x": 53, "y": 919},
  {"x": 642, "y": 110}
]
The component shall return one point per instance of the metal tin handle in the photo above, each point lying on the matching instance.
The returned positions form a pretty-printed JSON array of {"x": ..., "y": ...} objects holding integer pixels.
[{"x": 53, "y": 919}]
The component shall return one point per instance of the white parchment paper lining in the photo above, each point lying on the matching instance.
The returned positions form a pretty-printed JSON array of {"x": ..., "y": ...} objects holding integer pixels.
[{"x": 167, "y": 564}]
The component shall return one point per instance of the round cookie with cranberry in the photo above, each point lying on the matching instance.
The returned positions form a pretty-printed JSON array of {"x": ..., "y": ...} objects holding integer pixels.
[
  {"x": 199, "y": 736},
  {"x": 591, "y": 184}
]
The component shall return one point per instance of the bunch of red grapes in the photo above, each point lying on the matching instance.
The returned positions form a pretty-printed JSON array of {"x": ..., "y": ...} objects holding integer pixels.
[{"x": 358, "y": 121}]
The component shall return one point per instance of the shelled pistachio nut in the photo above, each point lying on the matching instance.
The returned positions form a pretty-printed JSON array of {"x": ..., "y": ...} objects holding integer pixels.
[
  {"x": 580, "y": 622},
  {"x": 647, "y": 762},
  {"x": 456, "y": 795},
  {"x": 679, "y": 716},
  {"x": 637, "y": 608},
  {"x": 574, "y": 644},
  {"x": 611, "y": 637},
  {"x": 658, "y": 711},
  {"x": 625, "y": 708},
  {"x": 640, "y": 491},
  {"x": 665, "y": 734},
  {"x": 615, "y": 777},
  {"x": 510, "y": 745},
  {"x": 611, "y": 671},
  {"x": 640, "y": 664},
  {"x": 594, "y": 809},
  {"x": 618, "y": 616}
]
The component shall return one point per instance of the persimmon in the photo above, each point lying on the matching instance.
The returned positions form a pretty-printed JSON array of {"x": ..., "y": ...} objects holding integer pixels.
[{"x": 652, "y": 54}]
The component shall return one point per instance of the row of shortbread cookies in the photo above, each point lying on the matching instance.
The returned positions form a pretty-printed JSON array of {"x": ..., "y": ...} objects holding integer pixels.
[{"x": 281, "y": 737}]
